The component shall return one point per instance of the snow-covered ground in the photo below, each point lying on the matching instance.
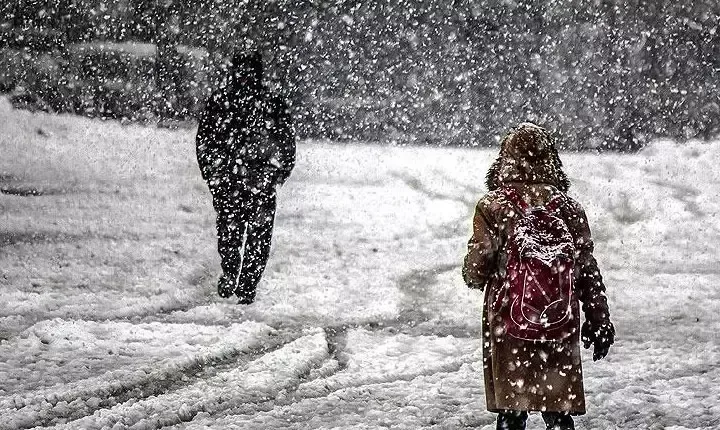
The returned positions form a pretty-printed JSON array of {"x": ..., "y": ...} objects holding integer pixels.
[{"x": 109, "y": 317}]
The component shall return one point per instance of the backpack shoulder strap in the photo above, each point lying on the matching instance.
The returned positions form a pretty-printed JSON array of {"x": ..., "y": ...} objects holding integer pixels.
[
  {"x": 555, "y": 203},
  {"x": 515, "y": 199}
]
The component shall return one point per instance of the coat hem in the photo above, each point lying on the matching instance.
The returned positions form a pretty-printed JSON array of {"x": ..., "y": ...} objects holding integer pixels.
[{"x": 574, "y": 413}]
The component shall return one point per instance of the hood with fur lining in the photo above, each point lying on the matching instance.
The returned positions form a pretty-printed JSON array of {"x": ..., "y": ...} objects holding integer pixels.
[{"x": 527, "y": 154}]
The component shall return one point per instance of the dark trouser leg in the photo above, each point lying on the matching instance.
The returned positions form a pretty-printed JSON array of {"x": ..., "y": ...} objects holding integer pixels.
[
  {"x": 558, "y": 421},
  {"x": 261, "y": 217},
  {"x": 512, "y": 420},
  {"x": 230, "y": 226}
]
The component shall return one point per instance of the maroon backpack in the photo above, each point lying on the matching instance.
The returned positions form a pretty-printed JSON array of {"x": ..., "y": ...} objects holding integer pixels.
[{"x": 538, "y": 284}]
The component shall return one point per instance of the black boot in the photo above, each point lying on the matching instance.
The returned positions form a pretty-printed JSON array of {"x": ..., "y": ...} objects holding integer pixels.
[
  {"x": 245, "y": 293},
  {"x": 512, "y": 420},
  {"x": 226, "y": 286},
  {"x": 558, "y": 421}
]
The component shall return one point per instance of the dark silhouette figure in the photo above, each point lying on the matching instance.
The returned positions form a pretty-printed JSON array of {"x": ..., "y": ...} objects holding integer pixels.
[{"x": 245, "y": 149}]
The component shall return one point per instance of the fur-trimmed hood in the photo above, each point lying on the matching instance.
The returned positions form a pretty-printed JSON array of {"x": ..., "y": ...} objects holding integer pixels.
[{"x": 527, "y": 154}]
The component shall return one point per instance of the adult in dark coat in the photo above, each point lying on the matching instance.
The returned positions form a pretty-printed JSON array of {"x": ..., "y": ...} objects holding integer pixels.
[
  {"x": 245, "y": 149},
  {"x": 522, "y": 375}
]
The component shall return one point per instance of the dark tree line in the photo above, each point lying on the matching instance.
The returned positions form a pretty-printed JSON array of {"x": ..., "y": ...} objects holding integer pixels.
[{"x": 607, "y": 74}]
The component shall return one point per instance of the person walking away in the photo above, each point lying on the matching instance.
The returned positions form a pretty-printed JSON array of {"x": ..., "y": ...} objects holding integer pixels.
[
  {"x": 245, "y": 149},
  {"x": 532, "y": 253}
]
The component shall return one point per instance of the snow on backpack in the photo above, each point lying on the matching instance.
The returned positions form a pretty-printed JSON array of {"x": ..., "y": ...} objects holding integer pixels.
[{"x": 538, "y": 283}]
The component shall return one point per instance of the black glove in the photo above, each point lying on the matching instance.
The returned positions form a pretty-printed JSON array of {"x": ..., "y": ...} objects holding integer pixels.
[
  {"x": 282, "y": 176},
  {"x": 602, "y": 336}
]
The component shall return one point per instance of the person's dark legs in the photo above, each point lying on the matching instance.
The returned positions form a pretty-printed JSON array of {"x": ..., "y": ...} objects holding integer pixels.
[
  {"x": 261, "y": 218},
  {"x": 230, "y": 225},
  {"x": 558, "y": 421},
  {"x": 511, "y": 420}
]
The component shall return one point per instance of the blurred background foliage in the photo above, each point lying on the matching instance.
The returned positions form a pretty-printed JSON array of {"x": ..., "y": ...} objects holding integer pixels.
[{"x": 607, "y": 74}]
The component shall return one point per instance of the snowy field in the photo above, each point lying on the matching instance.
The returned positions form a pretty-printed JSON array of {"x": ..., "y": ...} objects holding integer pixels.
[{"x": 109, "y": 316}]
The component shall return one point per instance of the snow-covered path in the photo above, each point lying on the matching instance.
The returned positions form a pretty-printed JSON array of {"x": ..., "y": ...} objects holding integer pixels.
[{"x": 109, "y": 317}]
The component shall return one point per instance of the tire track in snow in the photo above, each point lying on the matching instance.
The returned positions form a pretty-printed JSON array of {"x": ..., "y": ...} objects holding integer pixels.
[
  {"x": 416, "y": 303},
  {"x": 414, "y": 319},
  {"x": 454, "y": 228},
  {"x": 48, "y": 406},
  {"x": 304, "y": 394},
  {"x": 685, "y": 194},
  {"x": 200, "y": 293},
  {"x": 46, "y": 410},
  {"x": 417, "y": 185},
  {"x": 323, "y": 386},
  {"x": 262, "y": 380}
]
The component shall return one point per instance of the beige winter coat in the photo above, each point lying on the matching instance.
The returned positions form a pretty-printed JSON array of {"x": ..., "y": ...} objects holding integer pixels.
[{"x": 524, "y": 375}]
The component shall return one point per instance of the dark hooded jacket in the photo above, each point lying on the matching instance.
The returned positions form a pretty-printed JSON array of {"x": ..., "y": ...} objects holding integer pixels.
[
  {"x": 520, "y": 374},
  {"x": 245, "y": 135}
]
